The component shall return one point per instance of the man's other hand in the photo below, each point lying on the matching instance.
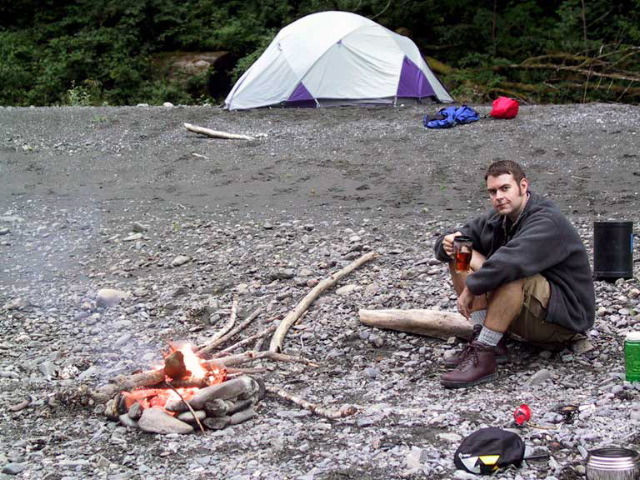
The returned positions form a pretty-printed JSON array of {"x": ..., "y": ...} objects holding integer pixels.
[
  {"x": 447, "y": 243},
  {"x": 464, "y": 303}
]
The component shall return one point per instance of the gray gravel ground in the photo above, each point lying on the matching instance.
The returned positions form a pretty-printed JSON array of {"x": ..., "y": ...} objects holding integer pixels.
[{"x": 265, "y": 220}]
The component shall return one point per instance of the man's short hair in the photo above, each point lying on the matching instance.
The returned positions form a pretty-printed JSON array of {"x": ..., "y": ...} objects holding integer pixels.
[{"x": 505, "y": 167}]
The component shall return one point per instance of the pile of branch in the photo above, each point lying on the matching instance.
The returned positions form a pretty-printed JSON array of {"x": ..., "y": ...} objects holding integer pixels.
[
  {"x": 610, "y": 74},
  {"x": 175, "y": 370},
  {"x": 607, "y": 73}
]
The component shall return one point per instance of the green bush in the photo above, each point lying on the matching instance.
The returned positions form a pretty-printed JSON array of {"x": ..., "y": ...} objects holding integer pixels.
[{"x": 92, "y": 52}]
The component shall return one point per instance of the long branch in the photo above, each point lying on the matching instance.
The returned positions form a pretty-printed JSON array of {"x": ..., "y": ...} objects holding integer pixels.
[
  {"x": 250, "y": 339},
  {"x": 294, "y": 315},
  {"x": 213, "y": 343},
  {"x": 344, "y": 411},
  {"x": 223, "y": 331},
  {"x": 253, "y": 355}
]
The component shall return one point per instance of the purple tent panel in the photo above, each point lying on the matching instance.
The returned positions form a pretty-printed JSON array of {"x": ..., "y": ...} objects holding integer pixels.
[
  {"x": 300, "y": 94},
  {"x": 412, "y": 82}
]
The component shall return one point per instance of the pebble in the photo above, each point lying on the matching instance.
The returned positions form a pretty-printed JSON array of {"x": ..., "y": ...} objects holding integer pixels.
[
  {"x": 48, "y": 369},
  {"x": 539, "y": 377},
  {"x": 372, "y": 372},
  {"x": 450, "y": 437},
  {"x": 138, "y": 227},
  {"x": 180, "y": 260},
  {"x": 108, "y": 297},
  {"x": 13, "y": 468},
  {"x": 133, "y": 237},
  {"x": 154, "y": 420},
  {"x": 347, "y": 289},
  {"x": 462, "y": 475}
]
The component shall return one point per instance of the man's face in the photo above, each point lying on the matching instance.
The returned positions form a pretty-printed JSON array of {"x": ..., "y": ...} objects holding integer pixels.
[{"x": 507, "y": 196}]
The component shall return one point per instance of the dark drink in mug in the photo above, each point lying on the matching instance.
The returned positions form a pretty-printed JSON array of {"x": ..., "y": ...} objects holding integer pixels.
[{"x": 463, "y": 249}]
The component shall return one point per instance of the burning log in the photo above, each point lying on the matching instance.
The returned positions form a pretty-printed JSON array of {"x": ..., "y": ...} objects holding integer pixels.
[
  {"x": 293, "y": 316},
  {"x": 172, "y": 410},
  {"x": 432, "y": 323},
  {"x": 152, "y": 378},
  {"x": 174, "y": 366},
  {"x": 344, "y": 411}
]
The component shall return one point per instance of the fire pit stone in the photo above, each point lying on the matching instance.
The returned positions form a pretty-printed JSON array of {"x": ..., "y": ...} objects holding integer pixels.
[{"x": 156, "y": 420}]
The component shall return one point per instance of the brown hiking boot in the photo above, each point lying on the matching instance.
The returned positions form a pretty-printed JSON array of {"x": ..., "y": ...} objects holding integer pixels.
[
  {"x": 478, "y": 366},
  {"x": 501, "y": 350}
]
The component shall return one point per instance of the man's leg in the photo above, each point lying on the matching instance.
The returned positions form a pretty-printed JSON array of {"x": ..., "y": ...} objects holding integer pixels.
[
  {"x": 505, "y": 305},
  {"x": 532, "y": 325},
  {"x": 479, "y": 363},
  {"x": 478, "y": 310}
]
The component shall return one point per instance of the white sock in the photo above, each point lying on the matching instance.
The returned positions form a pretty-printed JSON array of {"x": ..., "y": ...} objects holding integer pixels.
[
  {"x": 489, "y": 337},
  {"x": 477, "y": 317}
]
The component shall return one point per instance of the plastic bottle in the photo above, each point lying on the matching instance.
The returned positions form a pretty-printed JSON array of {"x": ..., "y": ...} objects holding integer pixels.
[{"x": 632, "y": 356}]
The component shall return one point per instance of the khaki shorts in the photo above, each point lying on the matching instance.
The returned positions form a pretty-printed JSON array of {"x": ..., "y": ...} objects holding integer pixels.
[{"x": 531, "y": 324}]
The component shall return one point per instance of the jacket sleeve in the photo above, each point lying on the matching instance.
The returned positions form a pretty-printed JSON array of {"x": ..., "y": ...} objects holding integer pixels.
[{"x": 538, "y": 245}]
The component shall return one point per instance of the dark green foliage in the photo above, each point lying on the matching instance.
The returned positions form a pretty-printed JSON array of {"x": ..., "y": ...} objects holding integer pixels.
[{"x": 93, "y": 52}]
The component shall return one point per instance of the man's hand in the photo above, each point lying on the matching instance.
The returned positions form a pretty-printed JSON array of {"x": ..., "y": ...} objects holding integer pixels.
[
  {"x": 464, "y": 303},
  {"x": 447, "y": 243}
]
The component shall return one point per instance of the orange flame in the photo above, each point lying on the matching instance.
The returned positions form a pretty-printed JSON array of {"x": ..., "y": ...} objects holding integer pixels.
[
  {"x": 192, "y": 361},
  {"x": 199, "y": 371}
]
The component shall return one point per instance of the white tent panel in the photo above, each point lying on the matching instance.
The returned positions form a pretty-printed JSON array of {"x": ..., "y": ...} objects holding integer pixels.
[
  {"x": 355, "y": 78},
  {"x": 269, "y": 85}
]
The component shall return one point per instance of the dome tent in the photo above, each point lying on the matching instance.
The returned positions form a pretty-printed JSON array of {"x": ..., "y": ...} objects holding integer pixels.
[{"x": 336, "y": 58}]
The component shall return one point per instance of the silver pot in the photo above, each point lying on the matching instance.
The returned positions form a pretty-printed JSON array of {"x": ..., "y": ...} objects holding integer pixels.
[{"x": 613, "y": 463}]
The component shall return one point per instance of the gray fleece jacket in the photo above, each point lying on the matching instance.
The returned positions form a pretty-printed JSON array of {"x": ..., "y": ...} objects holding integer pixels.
[{"x": 542, "y": 241}]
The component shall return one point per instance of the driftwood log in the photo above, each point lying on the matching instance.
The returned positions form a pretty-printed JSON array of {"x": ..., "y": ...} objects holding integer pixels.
[
  {"x": 296, "y": 313},
  {"x": 431, "y": 323},
  {"x": 216, "y": 134}
]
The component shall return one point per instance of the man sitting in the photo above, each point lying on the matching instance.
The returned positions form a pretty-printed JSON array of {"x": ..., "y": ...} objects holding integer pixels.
[{"x": 529, "y": 275}]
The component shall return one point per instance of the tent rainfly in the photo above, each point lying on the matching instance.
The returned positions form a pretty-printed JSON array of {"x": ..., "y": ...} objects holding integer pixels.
[{"x": 336, "y": 58}]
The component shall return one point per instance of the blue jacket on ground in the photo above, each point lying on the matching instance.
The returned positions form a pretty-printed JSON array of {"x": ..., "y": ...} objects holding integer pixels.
[{"x": 450, "y": 116}]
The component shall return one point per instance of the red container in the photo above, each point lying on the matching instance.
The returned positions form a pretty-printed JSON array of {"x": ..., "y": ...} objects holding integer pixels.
[{"x": 522, "y": 414}]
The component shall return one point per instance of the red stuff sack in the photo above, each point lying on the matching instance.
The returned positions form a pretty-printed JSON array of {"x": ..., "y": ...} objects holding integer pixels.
[{"x": 504, "y": 107}]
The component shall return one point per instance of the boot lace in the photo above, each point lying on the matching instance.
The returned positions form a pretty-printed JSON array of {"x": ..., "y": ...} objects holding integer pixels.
[{"x": 469, "y": 356}]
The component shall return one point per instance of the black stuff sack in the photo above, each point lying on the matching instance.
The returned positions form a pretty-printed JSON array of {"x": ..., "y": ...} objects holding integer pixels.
[{"x": 489, "y": 449}]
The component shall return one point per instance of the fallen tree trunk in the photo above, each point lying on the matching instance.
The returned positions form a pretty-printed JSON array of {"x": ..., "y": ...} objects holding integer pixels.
[{"x": 431, "y": 323}]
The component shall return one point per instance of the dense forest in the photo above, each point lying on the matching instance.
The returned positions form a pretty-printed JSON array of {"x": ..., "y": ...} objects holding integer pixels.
[{"x": 105, "y": 52}]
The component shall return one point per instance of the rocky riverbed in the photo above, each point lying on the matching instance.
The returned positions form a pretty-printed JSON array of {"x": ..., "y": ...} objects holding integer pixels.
[{"x": 127, "y": 199}]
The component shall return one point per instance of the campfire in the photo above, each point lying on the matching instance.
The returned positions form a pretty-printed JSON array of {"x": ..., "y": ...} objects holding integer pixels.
[{"x": 190, "y": 392}]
